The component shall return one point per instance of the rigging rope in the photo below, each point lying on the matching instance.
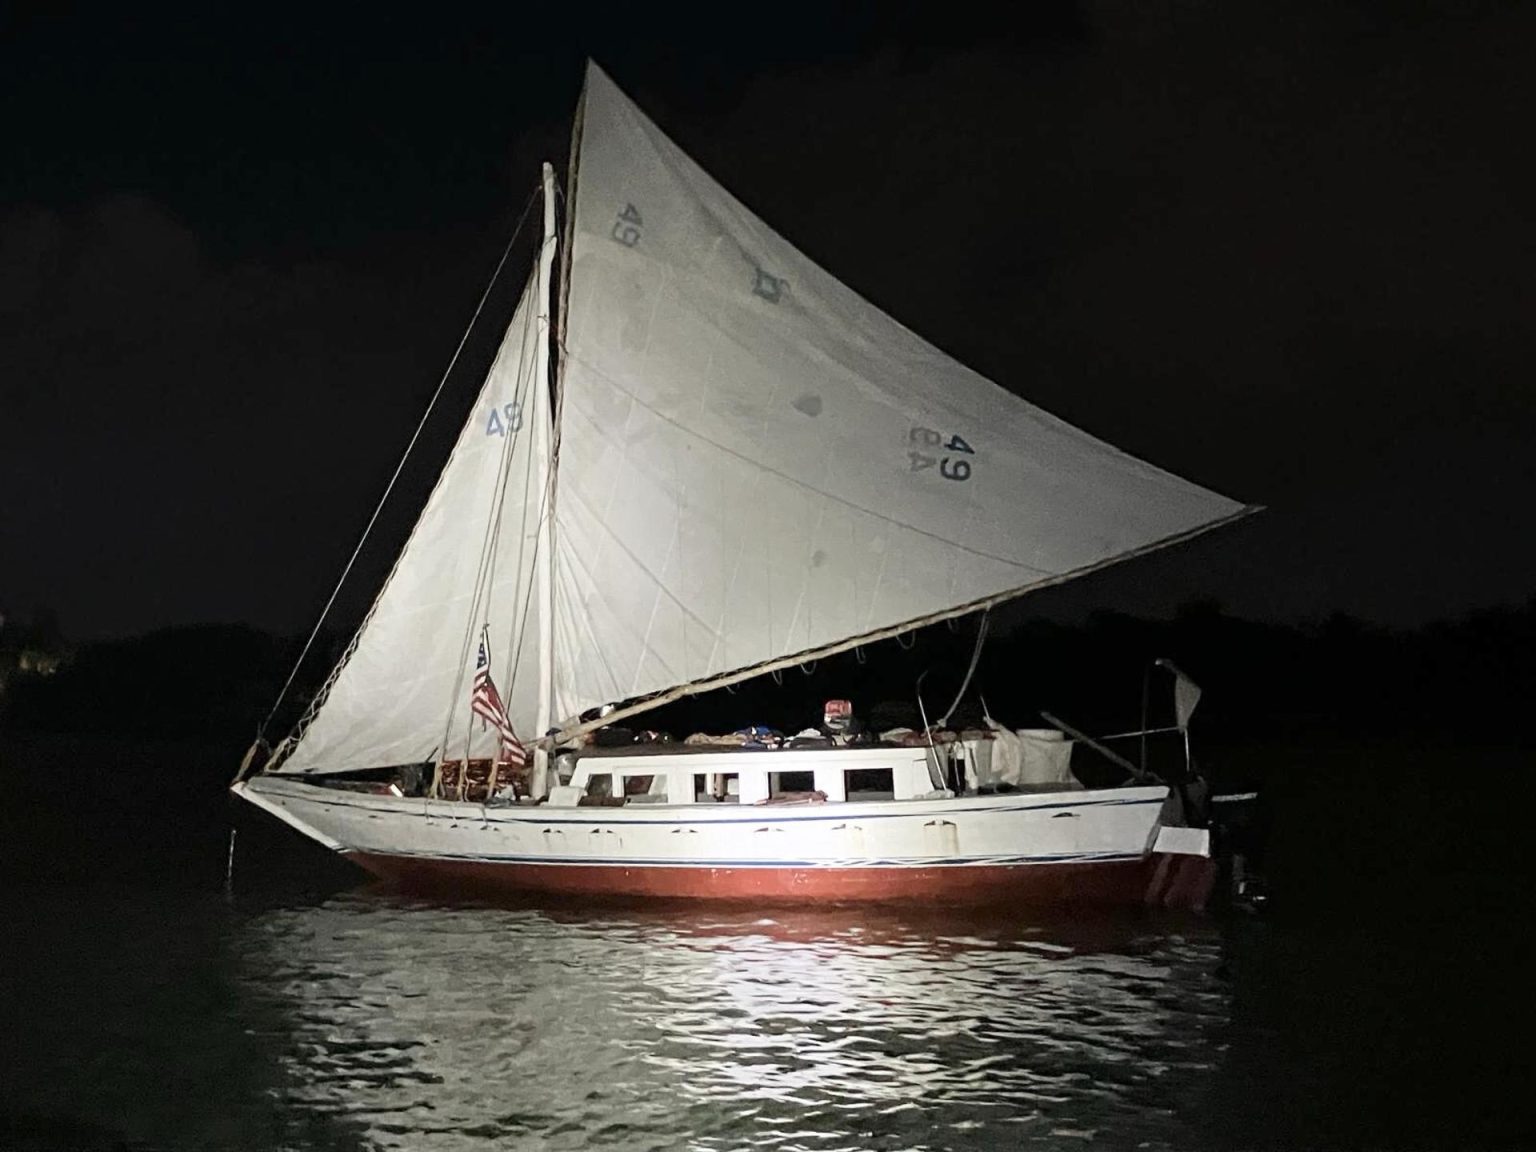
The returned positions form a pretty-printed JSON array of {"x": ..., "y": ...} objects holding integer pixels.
[
  {"x": 478, "y": 621},
  {"x": 388, "y": 488},
  {"x": 981, "y": 636}
]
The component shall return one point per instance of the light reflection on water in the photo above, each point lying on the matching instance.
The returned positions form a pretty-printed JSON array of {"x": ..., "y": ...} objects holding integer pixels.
[
  {"x": 457, "y": 1028},
  {"x": 140, "y": 1010}
]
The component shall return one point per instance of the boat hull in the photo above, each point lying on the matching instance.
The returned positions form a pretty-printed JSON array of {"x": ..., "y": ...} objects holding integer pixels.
[
  {"x": 1086, "y": 848},
  {"x": 1160, "y": 879}
]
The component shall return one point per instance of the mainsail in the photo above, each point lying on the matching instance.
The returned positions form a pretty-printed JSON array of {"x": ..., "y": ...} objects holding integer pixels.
[
  {"x": 748, "y": 465},
  {"x": 756, "y": 464}
]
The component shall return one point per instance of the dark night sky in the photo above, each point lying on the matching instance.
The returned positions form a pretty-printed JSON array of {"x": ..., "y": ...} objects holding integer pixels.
[{"x": 1285, "y": 250}]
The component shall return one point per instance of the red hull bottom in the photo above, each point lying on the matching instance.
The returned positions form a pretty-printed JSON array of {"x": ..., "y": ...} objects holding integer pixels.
[{"x": 1166, "y": 881}]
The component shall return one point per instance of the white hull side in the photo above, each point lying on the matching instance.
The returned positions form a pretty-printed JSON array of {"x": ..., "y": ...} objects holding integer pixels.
[{"x": 1056, "y": 827}]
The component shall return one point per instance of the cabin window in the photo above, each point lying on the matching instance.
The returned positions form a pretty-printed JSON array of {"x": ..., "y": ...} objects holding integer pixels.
[
  {"x": 716, "y": 787},
  {"x": 782, "y": 782},
  {"x": 600, "y": 785},
  {"x": 870, "y": 783},
  {"x": 646, "y": 789}
]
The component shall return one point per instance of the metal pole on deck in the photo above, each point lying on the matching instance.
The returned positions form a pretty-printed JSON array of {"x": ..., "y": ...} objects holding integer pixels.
[
  {"x": 1108, "y": 753},
  {"x": 1146, "y": 688}
]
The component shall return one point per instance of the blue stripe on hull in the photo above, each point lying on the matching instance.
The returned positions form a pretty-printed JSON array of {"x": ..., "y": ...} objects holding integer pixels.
[{"x": 888, "y": 862}]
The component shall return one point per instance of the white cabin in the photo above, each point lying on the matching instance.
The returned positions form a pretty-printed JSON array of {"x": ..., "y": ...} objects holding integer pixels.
[{"x": 751, "y": 776}]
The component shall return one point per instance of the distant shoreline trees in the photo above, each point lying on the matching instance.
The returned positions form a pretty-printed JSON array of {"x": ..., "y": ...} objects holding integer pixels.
[{"x": 1470, "y": 678}]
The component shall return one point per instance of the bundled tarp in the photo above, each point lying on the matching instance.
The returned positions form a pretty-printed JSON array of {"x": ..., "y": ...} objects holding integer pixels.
[{"x": 1023, "y": 757}]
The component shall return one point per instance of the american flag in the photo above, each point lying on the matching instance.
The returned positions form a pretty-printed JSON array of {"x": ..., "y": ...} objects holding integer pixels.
[{"x": 485, "y": 702}]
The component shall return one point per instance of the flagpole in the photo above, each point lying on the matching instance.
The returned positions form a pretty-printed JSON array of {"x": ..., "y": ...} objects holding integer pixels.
[{"x": 490, "y": 777}]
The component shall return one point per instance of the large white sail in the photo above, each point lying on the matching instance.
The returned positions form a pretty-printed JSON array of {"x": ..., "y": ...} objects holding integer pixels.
[
  {"x": 756, "y": 463},
  {"x": 402, "y": 694}
]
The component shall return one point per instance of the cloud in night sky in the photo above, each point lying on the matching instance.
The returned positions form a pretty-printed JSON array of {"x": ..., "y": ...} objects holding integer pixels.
[{"x": 1283, "y": 253}]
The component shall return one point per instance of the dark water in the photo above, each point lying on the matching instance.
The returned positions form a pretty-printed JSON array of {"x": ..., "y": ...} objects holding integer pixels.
[{"x": 145, "y": 1008}]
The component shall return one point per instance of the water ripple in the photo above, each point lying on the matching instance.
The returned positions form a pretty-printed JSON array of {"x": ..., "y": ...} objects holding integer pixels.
[{"x": 427, "y": 1027}]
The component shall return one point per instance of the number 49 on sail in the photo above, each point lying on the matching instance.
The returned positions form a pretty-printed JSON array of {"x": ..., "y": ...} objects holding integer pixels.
[{"x": 950, "y": 467}]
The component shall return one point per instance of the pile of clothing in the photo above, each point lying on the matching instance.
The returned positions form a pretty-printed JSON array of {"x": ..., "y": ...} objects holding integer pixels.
[{"x": 753, "y": 736}]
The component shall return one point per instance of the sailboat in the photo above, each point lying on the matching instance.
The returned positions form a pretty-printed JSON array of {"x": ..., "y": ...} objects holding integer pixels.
[{"x": 699, "y": 458}]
